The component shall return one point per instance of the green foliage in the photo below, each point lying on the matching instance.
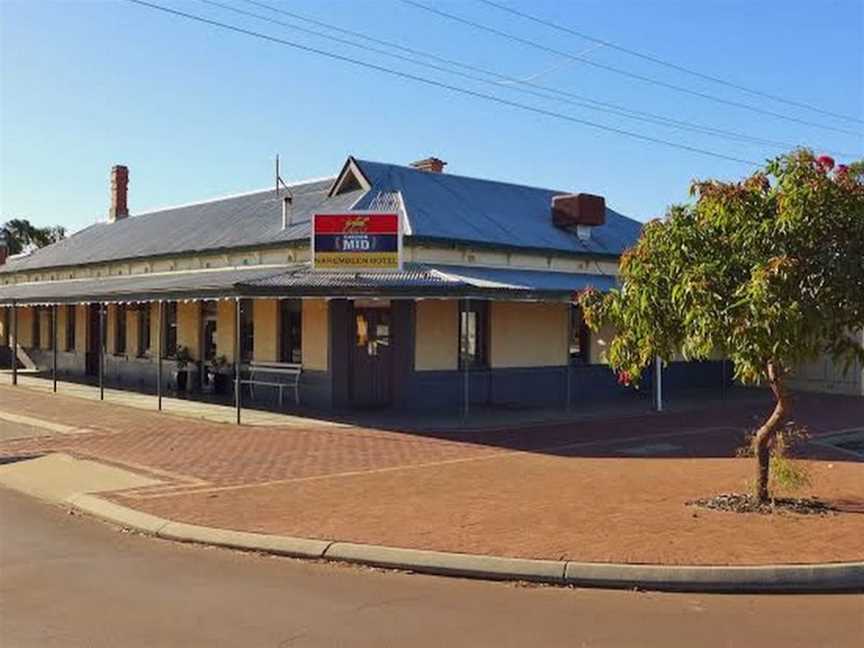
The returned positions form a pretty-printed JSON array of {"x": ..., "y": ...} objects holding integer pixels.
[
  {"x": 769, "y": 269},
  {"x": 785, "y": 473},
  {"x": 22, "y": 235}
]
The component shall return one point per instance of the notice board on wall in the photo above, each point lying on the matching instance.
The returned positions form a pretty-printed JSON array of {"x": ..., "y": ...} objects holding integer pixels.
[{"x": 358, "y": 240}]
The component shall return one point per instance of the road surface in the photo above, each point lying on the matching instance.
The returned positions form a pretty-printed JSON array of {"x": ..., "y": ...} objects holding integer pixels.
[{"x": 67, "y": 580}]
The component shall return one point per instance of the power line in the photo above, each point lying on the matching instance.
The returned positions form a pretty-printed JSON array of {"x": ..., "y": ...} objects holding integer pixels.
[
  {"x": 439, "y": 84},
  {"x": 668, "y": 64},
  {"x": 508, "y": 81},
  {"x": 610, "y": 68}
]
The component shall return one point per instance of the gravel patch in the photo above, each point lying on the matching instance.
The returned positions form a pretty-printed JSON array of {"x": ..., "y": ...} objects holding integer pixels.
[{"x": 743, "y": 503}]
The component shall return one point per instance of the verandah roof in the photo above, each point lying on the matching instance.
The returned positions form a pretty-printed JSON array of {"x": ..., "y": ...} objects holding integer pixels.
[{"x": 415, "y": 280}]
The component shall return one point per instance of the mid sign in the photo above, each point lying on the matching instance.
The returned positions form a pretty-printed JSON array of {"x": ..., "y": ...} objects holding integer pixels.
[{"x": 357, "y": 240}]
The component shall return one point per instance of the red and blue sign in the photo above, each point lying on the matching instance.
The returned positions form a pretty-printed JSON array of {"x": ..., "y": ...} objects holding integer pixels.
[{"x": 357, "y": 241}]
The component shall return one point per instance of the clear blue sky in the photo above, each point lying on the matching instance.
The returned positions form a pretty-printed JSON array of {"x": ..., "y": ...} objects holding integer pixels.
[{"x": 197, "y": 112}]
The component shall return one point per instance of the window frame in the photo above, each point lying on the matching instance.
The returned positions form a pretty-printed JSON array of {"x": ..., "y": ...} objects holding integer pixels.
[
  {"x": 480, "y": 359},
  {"x": 71, "y": 325},
  {"x": 121, "y": 340},
  {"x": 169, "y": 330},
  {"x": 579, "y": 333},
  {"x": 290, "y": 346},
  {"x": 247, "y": 330},
  {"x": 145, "y": 324},
  {"x": 36, "y": 329}
]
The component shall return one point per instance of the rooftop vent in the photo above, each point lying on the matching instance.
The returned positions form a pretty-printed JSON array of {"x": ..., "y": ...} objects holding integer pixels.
[
  {"x": 430, "y": 164},
  {"x": 581, "y": 212},
  {"x": 119, "y": 193}
]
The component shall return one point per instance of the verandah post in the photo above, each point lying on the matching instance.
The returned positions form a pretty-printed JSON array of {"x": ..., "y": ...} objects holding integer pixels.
[
  {"x": 463, "y": 355},
  {"x": 54, "y": 346},
  {"x": 658, "y": 384},
  {"x": 159, "y": 354},
  {"x": 567, "y": 368},
  {"x": 102, "y": 351},
  {"x": 13, "y": 344},
  {"x": 237, "y": 396}
]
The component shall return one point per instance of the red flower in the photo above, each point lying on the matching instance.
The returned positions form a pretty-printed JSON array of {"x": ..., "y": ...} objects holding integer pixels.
[
  {"x": 623, "y": 377},
  {"x": 826, "y": 162}
]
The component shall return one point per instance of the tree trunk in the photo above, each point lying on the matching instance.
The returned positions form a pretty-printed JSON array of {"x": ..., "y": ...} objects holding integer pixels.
[{"x": 766, "y": 433}]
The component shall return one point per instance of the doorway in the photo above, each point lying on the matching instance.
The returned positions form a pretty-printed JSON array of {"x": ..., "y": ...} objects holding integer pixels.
[{"x": 372, "y": 357}]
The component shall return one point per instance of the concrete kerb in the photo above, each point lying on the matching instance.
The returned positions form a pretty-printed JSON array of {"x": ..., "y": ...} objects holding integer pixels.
[{"x": 831, "y": 577}]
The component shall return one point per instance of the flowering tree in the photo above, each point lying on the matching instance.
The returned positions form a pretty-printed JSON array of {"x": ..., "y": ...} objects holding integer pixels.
[{"x": 768, "y": 271}]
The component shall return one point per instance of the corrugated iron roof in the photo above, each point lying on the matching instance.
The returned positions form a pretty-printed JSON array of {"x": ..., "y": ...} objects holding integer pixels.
[
  {"x": 439, "y": 206},
  {"x": 452, "y": 207},
  {"x": 300, "y": 280},
  {"x": 169, "y": 285}
]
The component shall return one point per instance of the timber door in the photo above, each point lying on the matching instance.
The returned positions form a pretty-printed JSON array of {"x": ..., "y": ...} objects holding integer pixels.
[
  {"x": 94, "y": 339},
  {"x": 372, "y": 358}
]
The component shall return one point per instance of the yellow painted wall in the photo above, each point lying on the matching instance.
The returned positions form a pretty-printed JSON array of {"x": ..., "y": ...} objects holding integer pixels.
[
  {"x": 61, "y": 328},
  {"x": 154, "y": 328},
  {"x": 225, "y": 329},
  {"x": 316, "y": 337},
  {"x": 265, "y": 315},
  {"x": 81, "y": 328},
  {"x": 110, "y": 328},
  {"x": 436, "y": 335},
  {"x": 45, "y": 328},
  {"x": 189, "y": 327},
  {"x": 528, "y": 334},
  {"x": 4, "y": 333},
  {"x": 132, "y": 333},
  {"x": 25, "y": 326}
]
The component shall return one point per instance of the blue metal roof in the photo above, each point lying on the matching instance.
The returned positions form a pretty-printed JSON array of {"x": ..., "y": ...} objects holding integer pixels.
[{"x": 458, "y": 208}]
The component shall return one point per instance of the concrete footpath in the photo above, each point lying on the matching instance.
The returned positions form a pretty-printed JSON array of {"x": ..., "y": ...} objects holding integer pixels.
[{"x": 73, "y": 482}]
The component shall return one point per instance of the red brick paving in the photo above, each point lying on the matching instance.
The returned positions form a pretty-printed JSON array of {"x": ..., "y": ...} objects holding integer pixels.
[{"x": 570, "y": 490}]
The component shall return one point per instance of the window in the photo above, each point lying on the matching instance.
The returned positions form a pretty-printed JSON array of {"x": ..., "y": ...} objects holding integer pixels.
[
  {"x": 247, "y": 331},
  {"x": 210, "y": 317},
  {"x": 290, "y": 330},
  {"x": 48, "y": 314},
  {"x": 473, "y": 334},
  {"x": 70, "y": 327},
  {"x": 579, "y": 335},
  {"x": 144, "y": 330},
  {"x": 169, "y": 336},
  {"x": 37, "y": 328},
  {"x": 120, "y": 329}
]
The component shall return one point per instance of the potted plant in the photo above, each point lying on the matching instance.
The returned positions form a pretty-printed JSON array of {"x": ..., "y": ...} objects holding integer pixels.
[
  {"x": 182, "y": 359},
  {"x": 219, "y": 371}
]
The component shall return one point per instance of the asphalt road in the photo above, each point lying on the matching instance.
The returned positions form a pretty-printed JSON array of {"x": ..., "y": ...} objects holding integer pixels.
[{"x": 66, "y": 580}]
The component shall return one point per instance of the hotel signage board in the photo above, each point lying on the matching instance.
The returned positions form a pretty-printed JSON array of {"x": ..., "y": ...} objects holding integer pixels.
[{"x": 357, "y": 240}]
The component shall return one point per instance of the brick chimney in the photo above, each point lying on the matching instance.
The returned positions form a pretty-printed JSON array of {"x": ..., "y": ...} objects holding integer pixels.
[
  {"x": 119, "y": 192},
  {"x": 581, "y": 212},
  {"x": 430, "y": 164},
  {"x": 4, "y": 246}
]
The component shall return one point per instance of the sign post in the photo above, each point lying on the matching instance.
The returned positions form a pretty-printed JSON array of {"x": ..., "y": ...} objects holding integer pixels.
[{"x": 358, "y": 240}]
